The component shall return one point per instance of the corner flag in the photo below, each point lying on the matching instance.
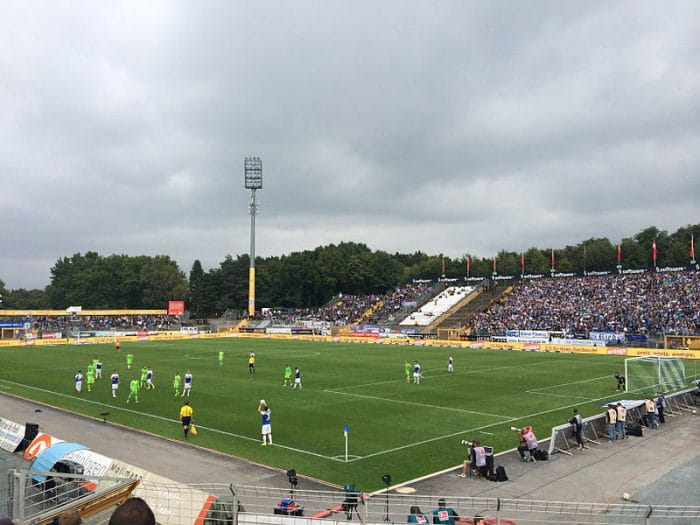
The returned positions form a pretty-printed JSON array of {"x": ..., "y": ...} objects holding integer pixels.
[{"x": 347, "y": 430}]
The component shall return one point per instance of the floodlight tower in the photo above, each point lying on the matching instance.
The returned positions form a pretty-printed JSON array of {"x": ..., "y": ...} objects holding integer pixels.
[{"x": 252, "y": 168}]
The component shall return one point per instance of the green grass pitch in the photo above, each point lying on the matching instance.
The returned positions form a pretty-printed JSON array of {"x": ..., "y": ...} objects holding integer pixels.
[{"x": 404, "y": 429}]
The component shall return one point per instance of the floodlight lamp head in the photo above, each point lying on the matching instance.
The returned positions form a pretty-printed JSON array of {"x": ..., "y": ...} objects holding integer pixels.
[{"x": 252, "y": 168}]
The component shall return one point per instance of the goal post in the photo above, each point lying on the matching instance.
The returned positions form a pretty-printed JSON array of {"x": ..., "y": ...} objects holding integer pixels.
[{"x": 655, "y": 373}]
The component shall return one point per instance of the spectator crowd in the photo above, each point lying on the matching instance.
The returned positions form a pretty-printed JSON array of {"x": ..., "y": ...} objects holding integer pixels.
[
  {"x": 95, "y": 323},
  {"x": 645, "y": 303}
]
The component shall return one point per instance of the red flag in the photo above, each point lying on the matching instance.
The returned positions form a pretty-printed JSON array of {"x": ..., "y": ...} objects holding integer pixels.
[
  {"x": 619, "y": 254},
  {"x": 522, "y": 262},
  {"x": 552, "y": 259},
  {"x": 494, "y": 264},
  {"x": 469, "y": 264},
  {"x": 692, "y": 248},
  {"x": 653, "y": 251}
]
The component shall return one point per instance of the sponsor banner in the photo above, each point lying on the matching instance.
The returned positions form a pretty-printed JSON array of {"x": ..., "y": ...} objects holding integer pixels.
[
  {"x": 617, "y": 351},
  {"x": 636, "y": 338},
  {"x": 169, "y": 501},
  {"x": 577, "y": 342},
  {"x": 364, "y": 334},
  {"x": 40, "y": 443},
  {"x": 527, "y": 339},
  {"x": 176, "y": 307},
  {"x": 607, "y": 336},
  {"x": 279, "y": 330},
  {"x": 52, "y": 335},
  {"x": 9, "y": 342},
  {"x": 94, "y": 465},
  {"x": 16, "y": 324},
  {"x": 11, "y": 434}
]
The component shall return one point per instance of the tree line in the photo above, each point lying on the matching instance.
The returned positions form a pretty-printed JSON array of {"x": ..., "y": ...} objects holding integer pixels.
[{"x": 311, "y": 278}]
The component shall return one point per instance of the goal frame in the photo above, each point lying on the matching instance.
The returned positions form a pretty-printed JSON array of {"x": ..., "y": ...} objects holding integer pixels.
[{"x": 656, "y": 360}]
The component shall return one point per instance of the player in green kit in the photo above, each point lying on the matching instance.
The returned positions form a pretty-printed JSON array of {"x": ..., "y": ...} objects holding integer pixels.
[
  {"x": 133, "y": 390},
  {"x": 221, "y": 359},
  {"x": 407, "y": 370},
  {"x": 90, "y": 376},
  {"x": 287, "y": 375},
  {"x": 129, "y": 361},
  {"x": 144, "y": 373},
  {"x": 176, "y": 382}
]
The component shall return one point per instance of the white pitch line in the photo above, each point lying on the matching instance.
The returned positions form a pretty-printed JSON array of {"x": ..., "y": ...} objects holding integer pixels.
[
  {"x": 467, "y": 372},
  {"x": 557, "y": 395},
  {"x": 410, "y": 445},
  {"x": 572, "y": 383},
  {"x": 155, "y": 416},
  {"x": 401, "y": 401}
]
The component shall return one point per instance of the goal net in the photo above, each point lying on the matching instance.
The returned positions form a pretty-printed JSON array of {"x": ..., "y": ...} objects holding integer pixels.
[{"x": 652, "y": 374}]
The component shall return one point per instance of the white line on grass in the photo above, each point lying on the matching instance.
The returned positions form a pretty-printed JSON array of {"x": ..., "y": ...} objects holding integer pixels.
[
  {"x": 155, "y": 416},
  {"x": 401, "y": 401},
  {"x": 438, "y": 438},
  {"x": 557, "y": 395},
  {"x": 571, "y": 383},
  {"x": 467, "y": 372}
]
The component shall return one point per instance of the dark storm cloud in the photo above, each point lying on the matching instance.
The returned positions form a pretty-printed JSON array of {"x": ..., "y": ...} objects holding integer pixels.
[{"x": 447, "y": 127}]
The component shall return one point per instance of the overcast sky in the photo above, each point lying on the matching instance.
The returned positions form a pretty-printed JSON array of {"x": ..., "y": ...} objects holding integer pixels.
[{"x": 446, "y": 127}]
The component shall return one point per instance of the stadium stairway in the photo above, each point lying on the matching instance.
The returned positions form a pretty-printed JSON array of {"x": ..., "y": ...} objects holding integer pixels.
[{"x": 459, "y": 316}]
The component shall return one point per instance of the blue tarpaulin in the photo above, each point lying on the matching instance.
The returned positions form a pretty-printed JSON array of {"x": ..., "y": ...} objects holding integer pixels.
[{"x": 48, "y": 458}]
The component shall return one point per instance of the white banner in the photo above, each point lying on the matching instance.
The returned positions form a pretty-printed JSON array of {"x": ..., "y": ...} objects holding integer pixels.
[
  {"x": 11, "y": 434},
  {"x": 41, "y": 442},
  {"x": 577, "y": 342}
]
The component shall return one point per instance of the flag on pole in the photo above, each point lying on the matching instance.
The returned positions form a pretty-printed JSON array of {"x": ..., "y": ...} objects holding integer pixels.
[
  {"x": 522, "y": 262},
  {"x": 469, "y": 264},
  {"x": 692, "y": 249},
  {"x": 619, "y": 254},
  {"x": 552, "y": 259},
  {"x": 347, "y": 430},
  {"x": 653, "y": 252},
  {"x": 494, "y": 264}
]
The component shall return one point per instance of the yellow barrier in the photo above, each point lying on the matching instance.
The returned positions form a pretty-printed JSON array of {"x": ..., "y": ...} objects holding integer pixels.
[{"x": 536, "y": 347}]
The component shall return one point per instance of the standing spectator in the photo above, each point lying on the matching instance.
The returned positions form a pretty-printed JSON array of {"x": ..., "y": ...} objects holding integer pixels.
[
  {"x": 621, "y": 419},
  {"x": 577, "y": 423},
  {"x": 133, "y": 511},
  {"x": 660, "y": 406},
  {"x": 186, "y": 417},
  {"x": 444, "y": 515},
  {"x": 611, "y": 420},
  {"x": 69, "y": 517}
]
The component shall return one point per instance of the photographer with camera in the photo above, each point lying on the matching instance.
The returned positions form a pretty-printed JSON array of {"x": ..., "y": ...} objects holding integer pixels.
[
  {"x": 479, "y": 459},
  {"x": 528, "y": 442}
]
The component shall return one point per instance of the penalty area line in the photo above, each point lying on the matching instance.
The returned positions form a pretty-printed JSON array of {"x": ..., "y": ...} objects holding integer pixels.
[{"x": 169, "y": 420}]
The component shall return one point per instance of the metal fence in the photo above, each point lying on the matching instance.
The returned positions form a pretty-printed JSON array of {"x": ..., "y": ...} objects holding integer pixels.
[{"x": 221, "y": 504}]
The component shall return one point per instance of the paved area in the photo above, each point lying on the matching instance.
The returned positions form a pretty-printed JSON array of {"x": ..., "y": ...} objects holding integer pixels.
[
  {"x": 661, "y": 467},
  {"x": 153, "y": 453}
]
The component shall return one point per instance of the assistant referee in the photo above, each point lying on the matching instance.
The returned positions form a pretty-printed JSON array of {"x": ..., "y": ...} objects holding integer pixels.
[{"x": 186, "y": 417}]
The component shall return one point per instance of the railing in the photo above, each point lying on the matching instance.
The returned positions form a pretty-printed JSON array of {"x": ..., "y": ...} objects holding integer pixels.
[{"x": 223, "y": 504}]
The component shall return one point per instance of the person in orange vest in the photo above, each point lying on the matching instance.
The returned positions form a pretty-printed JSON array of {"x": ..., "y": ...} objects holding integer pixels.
[
  {"x": 650, "y": 416},
  {"x": 621, "y": 419},
  {"x": 528, "y": 443},
  {"x": 611, "y": 420}
]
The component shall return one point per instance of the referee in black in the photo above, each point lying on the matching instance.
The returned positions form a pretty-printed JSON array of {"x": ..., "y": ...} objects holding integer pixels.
[
  {"x": 620, "y": 381},
  {"x": 186, "y": 417}
]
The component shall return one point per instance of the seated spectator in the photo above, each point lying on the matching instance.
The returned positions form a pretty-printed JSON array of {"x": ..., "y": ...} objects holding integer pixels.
[
  {"x": 133, "y": 511},
  {"x": 444, "y": 515},
  {"x": 417, "y": 516}
]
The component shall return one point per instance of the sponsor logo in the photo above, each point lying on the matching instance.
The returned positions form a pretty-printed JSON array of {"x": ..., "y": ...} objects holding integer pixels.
[{"x": 617, "y": 351}]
